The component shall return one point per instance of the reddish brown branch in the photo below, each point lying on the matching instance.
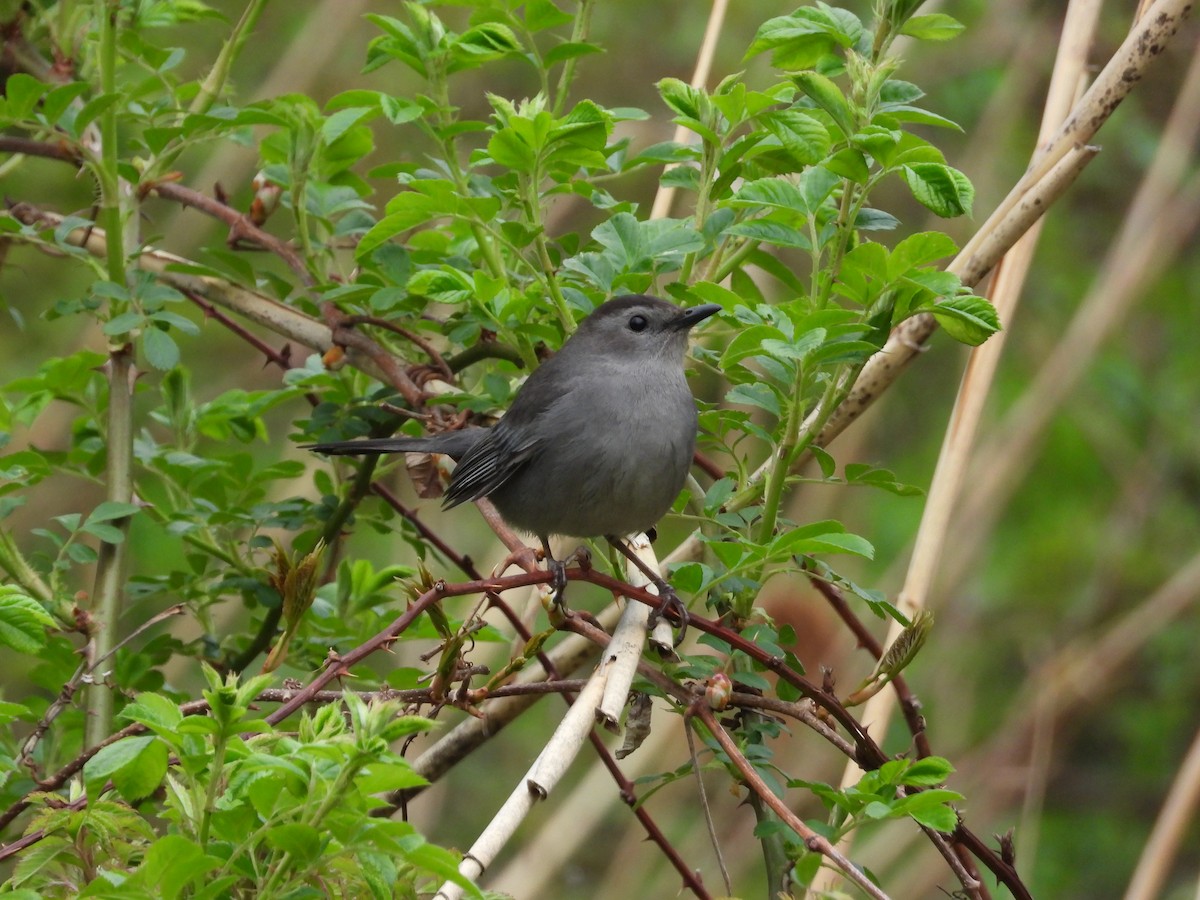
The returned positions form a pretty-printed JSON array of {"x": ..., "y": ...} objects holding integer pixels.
[
  {"x": 240, "y": 226},
  {"x": 909, "y": 703},
  {"x": 430, "y": 351}
]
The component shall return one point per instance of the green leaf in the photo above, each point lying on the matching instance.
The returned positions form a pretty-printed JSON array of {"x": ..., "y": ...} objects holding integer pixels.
[
  {"x": 111, "y": 509},
  {"x": 774, "y": 192},
  {"x": 768, "y": 232},
  {"x": 800, "y": 133},
  {"x": 60, "y": 99},
  {"x": 939, "y": 818},
  {"x": 569, "y": 50},
  {"x": 92, "y": 109},
  {"x": 136, "y": 766},
  {"x": 933, "y": 27},
  {"x": 748, "y": 342},
  {"x": 543, "y": 14},
  {"x": 160, "y": 348},
  {"x": 399, "y": 110},
  {"x": 823, "y": 92},
  {"x": 721, "y": 490},
  {"x": 342, "y": 121},
  {"x": 172, "y": 863},
  {"x": 141, "y": 777},
  {"x": 820, "y": 537},
  {"x": 945, "y": 191},
  {"x": 154, "y": 711},
  {"x": 685, "y": 100},
  {"x": 927, "y": 771},
  {"x": 484, "y": 42},
  {"x": 919, "y": 249},
  {"x": 966, "y": 318},
  {"x": 850, "y": 163},
  {"x": 22, "y": 92},
  {"x": 23, "y": 622},
  {"x": 802, "y": 39},
  {"x": 756, "y": 393},
  {"x": 297, "y": 838}
]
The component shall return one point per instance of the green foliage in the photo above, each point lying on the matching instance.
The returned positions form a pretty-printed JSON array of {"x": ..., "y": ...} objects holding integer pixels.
[
  {"x": 247, "y": 808},
  {"x": 446, "y": 259}
]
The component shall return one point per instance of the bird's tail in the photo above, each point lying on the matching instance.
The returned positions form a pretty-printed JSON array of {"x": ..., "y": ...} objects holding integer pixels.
[{"x": 452, "y": 443}]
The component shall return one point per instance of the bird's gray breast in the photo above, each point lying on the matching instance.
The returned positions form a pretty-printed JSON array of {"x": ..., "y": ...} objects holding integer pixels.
[{"x": 613, "y": 453}]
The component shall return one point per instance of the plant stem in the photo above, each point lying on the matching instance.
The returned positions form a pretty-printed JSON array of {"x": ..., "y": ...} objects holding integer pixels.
[
  {"x": 533, "y": 203},
  {"x": 121, "y": 371},
  {"x": 214, "y": 780},
  {"x": 19, "y": 569},
  {"x": 579, "y": 33},
  {"x": 218, "y": 75}
]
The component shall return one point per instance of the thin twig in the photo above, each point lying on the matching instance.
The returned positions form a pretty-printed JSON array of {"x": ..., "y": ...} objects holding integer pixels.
[{"x": 812, "y": 840}]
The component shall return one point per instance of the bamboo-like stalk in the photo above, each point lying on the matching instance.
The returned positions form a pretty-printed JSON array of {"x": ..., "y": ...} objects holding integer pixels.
[{"x": 1162, "y": 216}]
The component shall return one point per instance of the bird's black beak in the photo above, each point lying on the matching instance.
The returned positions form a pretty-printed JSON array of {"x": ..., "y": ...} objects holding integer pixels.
[{"x": 693, "y": 316}]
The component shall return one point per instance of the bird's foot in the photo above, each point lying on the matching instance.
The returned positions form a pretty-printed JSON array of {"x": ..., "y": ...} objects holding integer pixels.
[
  {"x": 669, "y": 603},
  {"x": 671, "y": 607},
  {"x": 580, "y": 556},
  {"x": 525, "y": 558}
]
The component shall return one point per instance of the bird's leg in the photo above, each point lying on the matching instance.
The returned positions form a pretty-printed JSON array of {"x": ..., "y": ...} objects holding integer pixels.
[
  {"x": 670, "y": 602},
  {"x": 558, "y": 571}
]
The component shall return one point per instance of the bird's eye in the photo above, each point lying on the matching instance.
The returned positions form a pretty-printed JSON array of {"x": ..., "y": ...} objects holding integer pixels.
[{"x": 637, "y": 323}]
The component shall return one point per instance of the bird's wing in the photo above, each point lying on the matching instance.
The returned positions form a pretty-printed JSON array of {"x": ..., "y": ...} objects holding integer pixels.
[{"x": 491, "y": 462}]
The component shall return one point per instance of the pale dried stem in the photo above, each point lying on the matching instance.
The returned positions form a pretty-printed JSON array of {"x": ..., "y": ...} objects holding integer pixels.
[
  {"x": 543, "y": 775},
  {"x": 1163, "y": 215},
  {"x": 1176, "y": 816},
  {"x": 629, "y": 637},
  {"x": 946, "y": 485},
  {"x": 534, "y": 870},
  {"x": 983, "y": 251},
  {"x": 944, "y": 490},
  {"x": 708, "y": 47}
]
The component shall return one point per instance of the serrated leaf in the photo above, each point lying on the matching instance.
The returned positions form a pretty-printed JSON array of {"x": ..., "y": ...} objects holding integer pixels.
[
  {"x": 919, "y": 249},
  {"x": 569, "y": 50},
  {"x": 154, "y": 711},
  {"x": 399, "y": 110},
  {"x": 821, "y": 537},
  {"x": 142, "y": 776},
  {"x": 136, "y": 766},
  {"x": 933, "y": 27},
  {"x": 966, "y": 318},
  {"x": 342, "y": 121},
  {"x": 823, "y": 92},
  {"x": 543, "y": 14},
  {"x": 23, "y": 622},
  {"x": 684, "y": 100},
  {"x": 800, "y": 133},
  {"x": 22, "y": 91},
  {"x": 297, "y": 838},
  {"x": 927, "y": 771},
  {"x": 755, "y": 393},
  {"x": 767, "y": 232},
  {"x": 172, "y": 863},
  {"x": 748, "y": 342},
  {"x": 941, "y": 189}
]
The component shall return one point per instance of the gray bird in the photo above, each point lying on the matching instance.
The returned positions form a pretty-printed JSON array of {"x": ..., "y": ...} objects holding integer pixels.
[{"x": 599, "y": 439}]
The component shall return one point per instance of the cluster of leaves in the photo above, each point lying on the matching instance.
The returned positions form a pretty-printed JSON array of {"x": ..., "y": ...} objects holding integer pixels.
[
  {"x": 779, "y": 179},
  {"x": 249, "y": 808}
]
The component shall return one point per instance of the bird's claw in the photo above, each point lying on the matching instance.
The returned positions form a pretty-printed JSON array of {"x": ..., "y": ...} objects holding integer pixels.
[{"x": 673, "y": 609}]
